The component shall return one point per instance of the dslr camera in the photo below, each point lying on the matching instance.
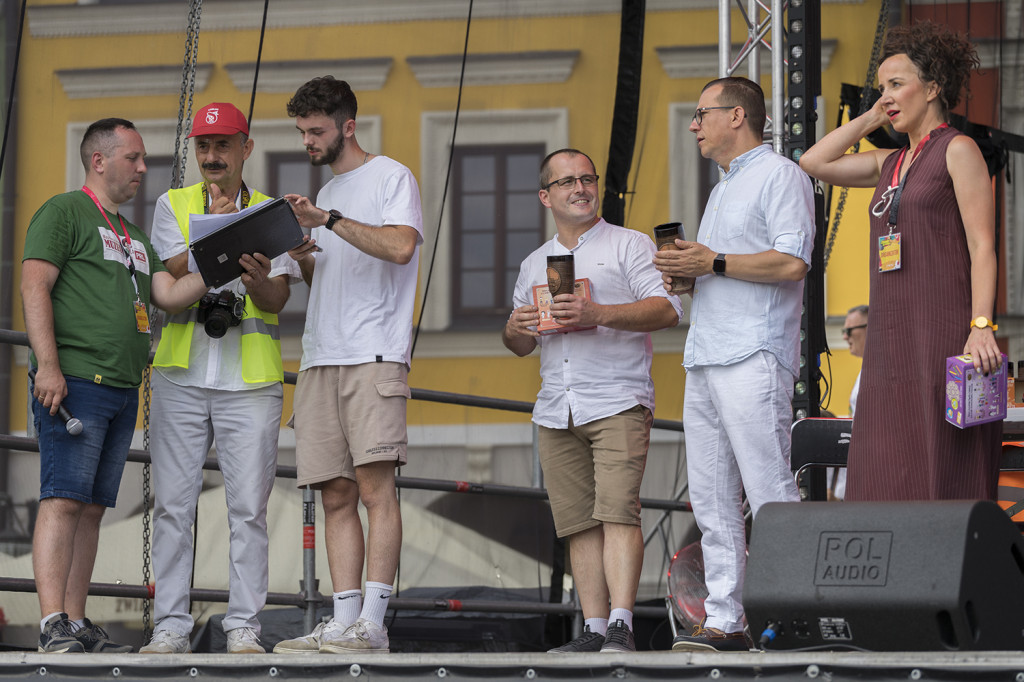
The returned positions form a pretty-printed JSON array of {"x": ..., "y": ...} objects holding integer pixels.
[{"x": 217, "y": 312}]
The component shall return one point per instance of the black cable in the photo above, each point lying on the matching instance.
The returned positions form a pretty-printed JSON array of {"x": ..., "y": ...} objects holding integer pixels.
[
  {"x": 259, "y": 58},
  {"x": 14, "y": 81},
  {"x": 447, "y": 180}
]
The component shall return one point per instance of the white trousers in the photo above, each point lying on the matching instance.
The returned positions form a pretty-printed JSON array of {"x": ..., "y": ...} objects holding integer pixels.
[
  {"x": 185, "y": 423},
  {"x": 737, "y": 420}
]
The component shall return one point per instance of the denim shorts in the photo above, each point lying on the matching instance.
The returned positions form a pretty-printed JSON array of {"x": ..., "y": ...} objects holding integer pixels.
[{"x": 86, "y": 467}]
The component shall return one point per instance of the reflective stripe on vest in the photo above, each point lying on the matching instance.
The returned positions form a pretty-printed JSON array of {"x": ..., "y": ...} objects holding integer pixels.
[{"x": 261, "y": 336}]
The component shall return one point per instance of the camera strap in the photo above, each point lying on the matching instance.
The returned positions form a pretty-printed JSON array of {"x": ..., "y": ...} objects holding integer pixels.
[{"x": 246, "y": 197}]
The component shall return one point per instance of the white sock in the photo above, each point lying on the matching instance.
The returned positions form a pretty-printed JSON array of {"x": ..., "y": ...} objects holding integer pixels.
[
  {"x": 79, "y": 624},
  {"x": 42, "y": 623},
  {"x": 375, "y": 605},
  {"x": 625, "y": 615},
  {"x": 598, "y": 625},
  {"x": 347, "y": 605}
]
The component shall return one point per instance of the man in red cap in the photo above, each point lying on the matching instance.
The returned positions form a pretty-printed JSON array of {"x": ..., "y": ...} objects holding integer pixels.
[{"x": 216, "y": 382}]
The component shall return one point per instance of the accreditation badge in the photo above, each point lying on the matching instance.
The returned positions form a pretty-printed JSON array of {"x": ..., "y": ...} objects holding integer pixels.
[
  {"x": 141, "y": 317},
  {"x": 889, "y": 252}
]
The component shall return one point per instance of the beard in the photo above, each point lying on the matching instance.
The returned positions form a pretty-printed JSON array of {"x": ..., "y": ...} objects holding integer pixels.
[{"x": 332, "y": 153}]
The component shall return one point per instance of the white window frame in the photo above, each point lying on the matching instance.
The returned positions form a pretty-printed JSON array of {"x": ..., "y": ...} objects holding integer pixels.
[{"x": 518, "y": 126}]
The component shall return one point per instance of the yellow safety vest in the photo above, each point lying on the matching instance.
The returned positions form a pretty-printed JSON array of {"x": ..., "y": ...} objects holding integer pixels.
[{"x": 261, "y": 336}]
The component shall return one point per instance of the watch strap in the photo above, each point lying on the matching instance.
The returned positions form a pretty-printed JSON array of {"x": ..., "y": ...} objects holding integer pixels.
[
  {"x": 335, "y": 216},
  {"x": 718, "y": 266}
]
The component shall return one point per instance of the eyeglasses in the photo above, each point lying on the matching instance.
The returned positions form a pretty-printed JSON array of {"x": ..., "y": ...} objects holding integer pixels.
[
  {"x": 566, "y": 183},
  {"x": 698, "y": 115},
  {"x": 848, "y": 330}
]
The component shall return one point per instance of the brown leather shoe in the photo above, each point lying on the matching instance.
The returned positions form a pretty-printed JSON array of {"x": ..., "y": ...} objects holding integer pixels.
[{"x": 711, "y": 639}]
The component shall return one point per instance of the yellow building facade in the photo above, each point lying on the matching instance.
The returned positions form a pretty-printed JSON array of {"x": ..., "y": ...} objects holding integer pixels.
[{"x": 83, "y": 62}]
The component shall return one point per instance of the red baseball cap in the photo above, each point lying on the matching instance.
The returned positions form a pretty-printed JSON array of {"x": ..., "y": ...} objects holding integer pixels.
[{"x": 219, "y": 118}]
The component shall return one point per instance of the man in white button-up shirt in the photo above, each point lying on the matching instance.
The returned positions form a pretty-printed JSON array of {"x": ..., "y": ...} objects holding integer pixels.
[
  {"x": 743, "y": 346},
  {"x": 596, "y": 402}
]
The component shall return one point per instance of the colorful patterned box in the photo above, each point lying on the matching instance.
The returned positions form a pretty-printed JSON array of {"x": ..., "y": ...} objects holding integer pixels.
[
  {"x": 542, "y": 299},
  {"x": 972, "y": 397}
]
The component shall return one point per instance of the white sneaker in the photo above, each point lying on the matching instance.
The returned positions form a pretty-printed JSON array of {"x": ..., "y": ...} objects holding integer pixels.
[
  {"x": 363, "y": 636},
  {"x": 167, "y": 642},
  {"x": 309, "y": 644},
  {"x": 244, "y": 641}
]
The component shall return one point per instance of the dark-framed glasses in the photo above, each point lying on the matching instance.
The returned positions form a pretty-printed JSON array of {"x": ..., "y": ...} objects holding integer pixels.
[
  {"x": 698, "y": 115},
  {"x": 849, "y": 330},
  {"x": 569, "y": 182}
]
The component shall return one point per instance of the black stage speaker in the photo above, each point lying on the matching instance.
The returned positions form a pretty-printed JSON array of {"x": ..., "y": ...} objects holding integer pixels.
[{"x": 886, "y": 576}]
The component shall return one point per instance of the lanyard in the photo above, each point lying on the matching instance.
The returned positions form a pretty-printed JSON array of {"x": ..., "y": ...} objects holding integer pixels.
[
  {"x": 206, "y": 197},
  {"x": 897, "y": 184},
  {"x": 127, "y": 237}
]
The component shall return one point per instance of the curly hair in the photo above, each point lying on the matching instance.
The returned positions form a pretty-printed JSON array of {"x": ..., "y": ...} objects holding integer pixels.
[
  {"x": 325, "y": 95},
  {"x": 942, "y": 56}
]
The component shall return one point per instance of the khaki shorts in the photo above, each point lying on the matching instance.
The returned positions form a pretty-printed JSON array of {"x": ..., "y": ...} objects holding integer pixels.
[
  {"x": 593, "y": 472},
  {"x": 347, "y": 416}
]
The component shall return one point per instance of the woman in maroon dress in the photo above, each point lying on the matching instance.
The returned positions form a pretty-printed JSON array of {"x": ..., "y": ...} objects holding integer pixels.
[{"x": 933, "y": 275}]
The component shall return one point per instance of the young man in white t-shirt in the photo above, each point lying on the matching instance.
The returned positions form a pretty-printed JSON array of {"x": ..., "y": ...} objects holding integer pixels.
[{"x": 350, "y": 397}]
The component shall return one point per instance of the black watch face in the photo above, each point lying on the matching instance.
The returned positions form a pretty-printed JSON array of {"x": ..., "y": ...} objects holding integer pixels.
[{"x": 719, "y": 264}]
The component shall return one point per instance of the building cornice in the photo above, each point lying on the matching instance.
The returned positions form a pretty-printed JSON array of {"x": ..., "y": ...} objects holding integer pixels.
[
  {"x": 361, "y": 74},
  {"x": 128, "y": 81},
  {"x": 551, "y": 66},
  {"x": 61, "y": 21}
]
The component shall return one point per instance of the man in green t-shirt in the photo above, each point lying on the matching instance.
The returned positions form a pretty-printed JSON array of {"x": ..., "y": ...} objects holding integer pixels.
[{"x": 88, "y": 277}]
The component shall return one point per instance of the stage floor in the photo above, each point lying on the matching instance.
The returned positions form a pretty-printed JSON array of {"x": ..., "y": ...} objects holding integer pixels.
[{"x": 652, "y": 665}]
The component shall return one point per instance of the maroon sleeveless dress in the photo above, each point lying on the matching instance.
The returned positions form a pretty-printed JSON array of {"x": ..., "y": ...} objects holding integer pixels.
[{"x": 902, "y": 448}]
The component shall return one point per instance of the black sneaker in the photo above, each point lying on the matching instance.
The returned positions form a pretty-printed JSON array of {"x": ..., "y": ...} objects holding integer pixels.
[
  {"x": 58, "y": 637},
  {"x": 618, "y": 638},
  {"x": 95, "y": 640},
  {"x": 711, "y": 639},
  {"x": 587, "y": 642}
]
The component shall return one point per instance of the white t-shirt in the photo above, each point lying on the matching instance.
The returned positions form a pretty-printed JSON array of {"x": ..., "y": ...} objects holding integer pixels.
[
  {"x": 598, "y": 372},
  {"x": 360, "y": 307},
  {"x": 212, "y": 363}
]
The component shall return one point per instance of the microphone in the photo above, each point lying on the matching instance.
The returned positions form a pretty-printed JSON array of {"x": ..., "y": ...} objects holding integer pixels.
[{"x": 71, "y": 423}]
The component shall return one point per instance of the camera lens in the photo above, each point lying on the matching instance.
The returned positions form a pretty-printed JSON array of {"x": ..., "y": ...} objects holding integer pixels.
[{"x": 217, "y": 323}]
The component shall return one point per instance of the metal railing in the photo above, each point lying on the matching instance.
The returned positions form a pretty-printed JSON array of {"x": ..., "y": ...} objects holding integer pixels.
[{"x": 308, "y": 597}]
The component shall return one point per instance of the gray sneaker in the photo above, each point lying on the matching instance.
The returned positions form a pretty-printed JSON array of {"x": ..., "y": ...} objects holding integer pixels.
[
  {"x": 309, "y": 644},
  {"x": 58, "y": 636},
  {"x": 244, "y": 641},
  {"x": 363, "y": 636},
  {"x": 167, "y": 642},
  {"x": 619, "y": 638},
  {"x": 96, "y": 641},
  {"x": 587, "y": 642}
]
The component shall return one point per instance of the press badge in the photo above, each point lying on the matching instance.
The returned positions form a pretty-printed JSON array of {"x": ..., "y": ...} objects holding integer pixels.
[
  {"x": 889, "y": 252},
  {"x": 141, "y": 317}
]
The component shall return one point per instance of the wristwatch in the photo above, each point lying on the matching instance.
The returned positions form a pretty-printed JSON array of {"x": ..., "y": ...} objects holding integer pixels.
[
  {"x": 718, "y": 267},
  {"x": 981, "y": 322},
  {"x": 335, "y": 217}
]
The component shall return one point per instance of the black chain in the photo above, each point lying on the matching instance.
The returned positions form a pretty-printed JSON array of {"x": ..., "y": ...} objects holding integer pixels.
[
  {"x": 865, "y": 94},
  {"x": 146, "y": 617},
  {"x": 188, "y": 86}
]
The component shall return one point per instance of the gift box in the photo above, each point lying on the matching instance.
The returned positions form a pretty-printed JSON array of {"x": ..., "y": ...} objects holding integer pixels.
[
  {"x": 973, "y": 397},
  {"x": 542, "y": 299}
]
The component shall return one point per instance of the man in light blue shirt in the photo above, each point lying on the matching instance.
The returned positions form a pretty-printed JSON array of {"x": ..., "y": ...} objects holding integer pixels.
[{"x": 743, "y": 346}]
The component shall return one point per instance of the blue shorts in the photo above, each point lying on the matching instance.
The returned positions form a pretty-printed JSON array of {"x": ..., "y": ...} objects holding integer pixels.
[{"x": 86, "y": 467}]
